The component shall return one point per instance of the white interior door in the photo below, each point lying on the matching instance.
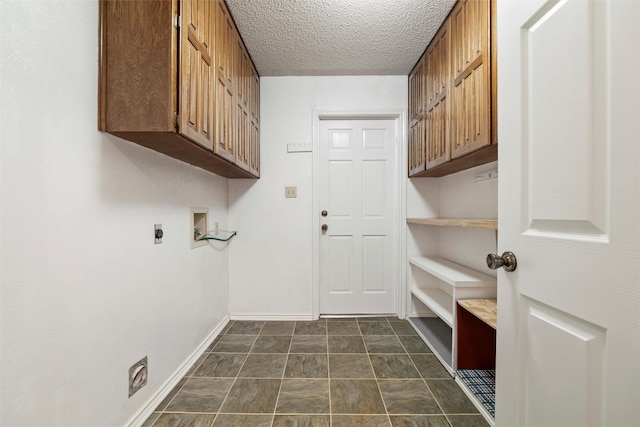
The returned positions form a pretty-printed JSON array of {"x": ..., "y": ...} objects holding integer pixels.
[
  {"x": 569, "y": 127},
  {"x": 356, "y": 185}
]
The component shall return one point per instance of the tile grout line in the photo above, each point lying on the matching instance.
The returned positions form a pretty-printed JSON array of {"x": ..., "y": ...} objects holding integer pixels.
[
  {"x": 237, "y": 374},
  {"x": 284, "y": 370}
]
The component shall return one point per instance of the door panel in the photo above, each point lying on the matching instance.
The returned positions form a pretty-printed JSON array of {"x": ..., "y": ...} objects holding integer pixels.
[
  {"x": 196, "y": 73},
  {"x": 569, "y": 208},
  {"x": 357, "y": 252}
]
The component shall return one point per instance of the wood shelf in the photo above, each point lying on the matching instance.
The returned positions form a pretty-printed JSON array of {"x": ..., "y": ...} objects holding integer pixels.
[
  {"x": 483, "y": 309},
  {"x": 489, "y": 224},
  {"x": 437, "y": 301},
  {"x": 454, "y": 274}
]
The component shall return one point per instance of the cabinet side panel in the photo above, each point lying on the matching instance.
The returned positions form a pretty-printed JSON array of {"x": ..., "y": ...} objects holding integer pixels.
[{"x": 137, "y": 67}]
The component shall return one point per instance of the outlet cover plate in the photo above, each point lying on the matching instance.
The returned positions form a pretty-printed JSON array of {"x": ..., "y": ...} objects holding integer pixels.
[{"x": 157, "y": 233}]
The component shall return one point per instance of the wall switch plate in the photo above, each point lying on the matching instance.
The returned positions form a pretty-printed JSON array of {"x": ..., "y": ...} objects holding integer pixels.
[
  {"x": 299, "y": 147},
  {"x": 291, "y": 192},
  {"x": 157, "y": 233}
]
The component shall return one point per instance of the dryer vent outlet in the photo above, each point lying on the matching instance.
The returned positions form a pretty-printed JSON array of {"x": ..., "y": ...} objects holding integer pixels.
[{"x": 138, "y": 376}]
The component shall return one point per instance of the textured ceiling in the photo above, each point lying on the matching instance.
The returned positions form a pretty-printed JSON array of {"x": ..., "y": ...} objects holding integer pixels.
[{"x": 337, "y": 37}]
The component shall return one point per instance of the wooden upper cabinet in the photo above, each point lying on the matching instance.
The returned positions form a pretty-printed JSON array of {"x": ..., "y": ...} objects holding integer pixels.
[
  {"x": 167, "y": 81},
  {"x": 438, "y": 87},
  {"x": 197, "y": 73},
  {"x": 471, "y": 114},
  {"x": 460, "y": 94}
]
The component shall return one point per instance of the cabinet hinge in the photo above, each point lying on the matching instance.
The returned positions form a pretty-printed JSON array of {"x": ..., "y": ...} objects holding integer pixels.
[
  {"x": 177, "y": 121},
  {"x": 177, "y": 21}
]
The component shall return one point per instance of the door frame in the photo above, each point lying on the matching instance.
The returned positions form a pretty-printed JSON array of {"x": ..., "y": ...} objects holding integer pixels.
[{"x": 400, "y": 184}]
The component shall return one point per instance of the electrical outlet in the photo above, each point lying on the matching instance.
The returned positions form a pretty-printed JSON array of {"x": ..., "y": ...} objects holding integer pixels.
[
  {"x": 138, "y": 375},
  {"x": 157, "y": 233},
  {"x": 291, "y": 192}
]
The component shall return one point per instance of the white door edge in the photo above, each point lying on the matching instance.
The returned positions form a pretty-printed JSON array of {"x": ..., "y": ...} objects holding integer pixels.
[{"x": 400, "y": 184}]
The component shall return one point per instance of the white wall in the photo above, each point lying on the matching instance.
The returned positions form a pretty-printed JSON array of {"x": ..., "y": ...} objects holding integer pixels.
[
  {"x": 271, "y": 260},
  {"x": 85, "y": 293},
  {"x": 453, "y": 196}
]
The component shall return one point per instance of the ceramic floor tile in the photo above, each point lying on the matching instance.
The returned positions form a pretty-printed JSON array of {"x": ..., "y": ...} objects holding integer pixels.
[
  {"x": 450, "y": 397},
  {"x": 346, "y": 344},
  {"x": 278, "y": 328},
  {"x": 251, "y": 395},
  {"x": 184, "y": 420},
  {"x": 243, "y": 420},
  {"x": 317, "y": 327},
  {"x": 304, "y": 396},
  {"x": 152, "y": 419},
  {"x": 234, "y": 344},
  {"x": 172, "y": 394},
  {"x": 360, "y": 421},
  {"x": 201, "y": 395},
  {"x": 308, "y": 344},
  {"x": 429, "y": 366},
  {"x": 272, "y": 344},
  {"x": 414, "y": 344},
  {"x": 263, "y": 366},
  {"x": 301, "y": 421},
  {"x": 467, "y": 421},
  {"x": 377, "y": 327},
  {"x": 408, "y": 397},
  {"x": 350, "y": 366},
  {"x": 402, "y": 327},
  {"x": 393, "y": 366},
  {"x": 197, "y": 364},
  {"x": 307, "y": 366},
  {"x": 355, "y": 397},
  {"x": 383, "y": 344},
  {"x": 220, "y": 365},
  {"x": 245, "y": 327},
  {"x": 419, "y": 421},
  {"x": 343, "y": 328}
]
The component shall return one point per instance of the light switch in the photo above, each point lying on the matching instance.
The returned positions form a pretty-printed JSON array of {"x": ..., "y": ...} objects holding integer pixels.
[{"x": 291, "y": 192}]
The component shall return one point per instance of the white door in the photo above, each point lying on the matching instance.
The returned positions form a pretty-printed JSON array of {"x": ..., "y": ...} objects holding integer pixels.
[
  {"x": 569, "y": 126},
  {"x": 358, "y": 249}
]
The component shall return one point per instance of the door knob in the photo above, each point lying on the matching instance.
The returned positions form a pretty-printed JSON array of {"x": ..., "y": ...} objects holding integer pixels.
[
  {"x": 324, "y": 213},
  {"x": 324, "y": 227},
  {"x": 507, "y": 261}
]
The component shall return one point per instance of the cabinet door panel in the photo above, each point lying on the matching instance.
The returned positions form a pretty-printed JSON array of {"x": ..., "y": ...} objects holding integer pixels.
[
  {"x": 471, "y": 115},
  {"x": 196, "y": 73},
  {"x": 438, "y": 86},
  {"x": 417, "y": 148}
]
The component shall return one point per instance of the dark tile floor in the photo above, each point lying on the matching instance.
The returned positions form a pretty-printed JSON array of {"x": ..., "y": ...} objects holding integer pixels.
[{"x": 334, "y": 372}]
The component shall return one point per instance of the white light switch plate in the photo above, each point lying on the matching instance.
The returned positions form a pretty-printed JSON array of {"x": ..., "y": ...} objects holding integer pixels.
[
  {"x": 299, "y": 147},
  {"x": 291, "y": 192}
]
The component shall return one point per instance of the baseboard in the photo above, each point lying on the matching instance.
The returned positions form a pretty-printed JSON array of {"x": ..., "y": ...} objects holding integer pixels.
[
  {"x": 276, "y": 317},
  {"x": 153, "y": 402}
]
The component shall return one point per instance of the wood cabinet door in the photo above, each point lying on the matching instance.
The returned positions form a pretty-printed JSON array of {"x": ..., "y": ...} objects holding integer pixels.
[
  {"x": 224, "y": 141},
  {"x": 254, "y": 109},
  {"x": 437, "y": 94},
  {"x": 196, "y": 73},
  {"x": 417, "y": 101},
  {"x": 243, "y": 116},
  {"x": 416, "y": 91},
  {"x": 417, "y": 143},
  {"x": 471, "y": 106}
]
